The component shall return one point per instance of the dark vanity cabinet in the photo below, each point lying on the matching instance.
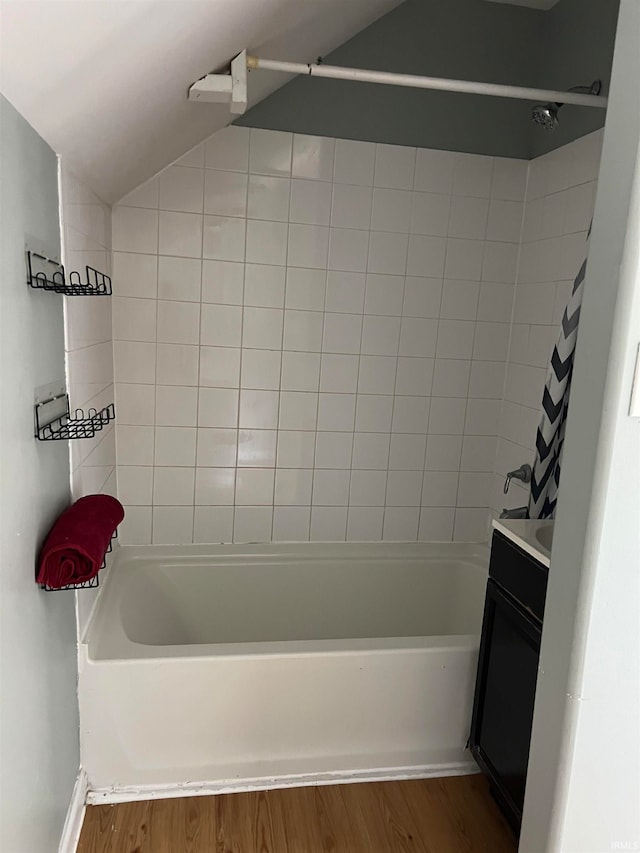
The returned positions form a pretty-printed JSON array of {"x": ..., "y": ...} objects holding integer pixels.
[{"x": 507, "y": 672}]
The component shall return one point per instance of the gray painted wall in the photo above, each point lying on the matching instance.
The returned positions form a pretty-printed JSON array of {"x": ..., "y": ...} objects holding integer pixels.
[
  {"x": 38, "y": 712},
  {"x": 463, "y": 39}
]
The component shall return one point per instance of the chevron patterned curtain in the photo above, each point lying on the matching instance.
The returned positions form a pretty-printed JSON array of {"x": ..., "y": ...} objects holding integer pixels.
[{"x": 545, "y": 479}]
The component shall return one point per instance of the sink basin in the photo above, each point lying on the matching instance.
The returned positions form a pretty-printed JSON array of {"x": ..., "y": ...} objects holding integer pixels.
[{"x": 544, "y": 535}]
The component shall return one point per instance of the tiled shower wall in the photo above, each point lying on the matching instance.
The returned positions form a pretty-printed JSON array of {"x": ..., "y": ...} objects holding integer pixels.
[
  {"x": 310, "y": 340},
  {"x": 558, "y": 210}
]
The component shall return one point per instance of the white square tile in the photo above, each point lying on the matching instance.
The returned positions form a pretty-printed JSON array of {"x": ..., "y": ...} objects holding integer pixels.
[
  {"x": 487, "y": 379},
  {"x": 430, "y": 214},
  {"x": 221, "y": 325},
  {"x": 368, "y": 488},
  {"x": 472, "y": 175},
  {"x": 407, "y": 452},
  {"x": 193, "y": 158},
  {"x": 176, "y": 405},
  {"x": 305, "y": 289},
  {"x": 136, "y": 526},
  {"x": 133, "y": 319},
  {"x": 440, "y": 488},
  {"x": 257, "y": 448},
  {"x": 136, "y": 404},
  {"x": 254, "y": 486},
  {"x": 391, "y": 210},
  {"x": 414, "y": 376},
  {"x": 270, "y": 152},
  {"x": 491, "y": 341},
  {"x": 181, "y": 189},
  {"x": 434, "y": 171},
  {"x": 380, "y": 335},
  {"x": 134, "y": 229},
  {"x": 224, "y": 239},
  {"x": 387, "y": 253},
  {"x": 500, "y": 262},
  {"x": 482, "y": 417},
  {"x": 177, "y": 364},
  {"x": 293, "y": 486},
  {"x": 298, "y": 410},
  {"x": 422, "y": 297},
  {"x": 135, "y": 275},
  {"x": 478, "y": 453},
  {"x": 426, "y": 256},
  {"x": 295, "y": 449},
  {"x": 268, "y": 198},
  {"x": 262, "y": 328},
  {"x": 342, "y": 333},
  {"x": 310, "y": 202},
  {"x": 446, "y": 415},
  {"x": 291, "y": 523},
  {"x": 173, "y": 486},
  {"x": 260, "y": 369},
  {"x": 175, "y": 446},
  {"x": 266, "y": 242},
  {"x": 134, "y": 445},
  {"x": 455, "y": 339},
  {"x": 308, "y": 246},
  {"x": 384, "y": 294},
  {"x": 134, "y": 361},
  {"x": 464, "y": 259},
  {"x": 333, "y": 450},
  {"x": 376, "y": 374},
  {"x": 509, "y": 179},
  {"x": 471, "y": 525},
  {"x": 370, "y": 451},
  {"x": 312, "y": 157},
  {"x": 373, "y": 413},
  {"x": 443, "y": 452},
  {"x": 330, "y": 488},
  {"x": 345, "y": 292},
  {"x": 217, "y": 407},
  {"x": 146, "y": 195},
  {"x": 216, "y": 448},
  {"x": 404, "y": 488},
  {"x": 459, "y": 300},
  {"x": 348, "y": 250},
  {"x": 223, "y": 282},
  {"x": 468, "y": 217},
  {"x": 418, "y": 337},
  {"x": 213, "y": 525},
  {"x": 172, "y": 525},
  {"x": 474, "y": 489},
  {"x": 215, "y": 486},
  {"x": 180, "y": 234},
  {"x": 178, "y": 322},
  {"x": 300, "y": 371},
  {"x": 336, "y": 412},
  {"x": 395, "y": 165},
  {"x": 219, "y": 367},
  {"x": 410, "y": 414},
  {"x": 258, "y": 409},
  {"x": 252, "y": 524},
  {"x": 436, "y": 524},
  {"x": 579, "y": 208},
  {"x": 401, "y": 524},
  {"x": 179, "y": 279},
  {"x": 505, "y": 221},
  {"x": 339, "y": 373},
  {"x": 264, "y": 286},
  {"x": 496, "y": 301},
  {"x": 365, "y": 524},
  {"x": 354, "y": 162},
  {"x": 228, "y": 149},
  {"x": 351, "y": 206},
  {"x": 135, "y": 485},
  {"x": 303, "y": 331},
  {"x": 328, "y": 523},
  {"x": 225, "y": 193}
]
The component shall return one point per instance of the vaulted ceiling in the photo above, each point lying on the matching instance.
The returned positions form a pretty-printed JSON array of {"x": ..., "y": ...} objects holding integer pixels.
[{"x": 105, "y": 83}]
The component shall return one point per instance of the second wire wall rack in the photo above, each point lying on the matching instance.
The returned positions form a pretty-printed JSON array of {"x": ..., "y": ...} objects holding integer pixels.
[
  {"x": 43, "y": 273},
  {"x": 53, "y": 420}
]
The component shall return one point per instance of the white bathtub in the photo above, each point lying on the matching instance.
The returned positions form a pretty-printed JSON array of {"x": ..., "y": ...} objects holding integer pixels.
[{"x": 211, "y": 668}]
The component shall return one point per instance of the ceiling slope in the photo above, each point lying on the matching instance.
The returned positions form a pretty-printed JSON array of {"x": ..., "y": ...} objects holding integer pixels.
[{"x": 105, "y": 83}]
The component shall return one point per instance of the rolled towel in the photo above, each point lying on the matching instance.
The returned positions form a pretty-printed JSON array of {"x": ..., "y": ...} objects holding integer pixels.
[{"x": 76, "y": 544}]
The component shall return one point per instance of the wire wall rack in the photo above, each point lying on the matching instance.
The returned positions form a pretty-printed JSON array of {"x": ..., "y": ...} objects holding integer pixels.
[
  {"x": 44, "y": 273},
  {"x": 93, "y": 582},
  {"x": 54, "y": 421}
]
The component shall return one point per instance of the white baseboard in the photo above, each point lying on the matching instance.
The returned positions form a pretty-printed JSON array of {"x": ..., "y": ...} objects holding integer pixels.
[
  {"x": 131, "y": 793},
  {"x": 75, "y": 815}
]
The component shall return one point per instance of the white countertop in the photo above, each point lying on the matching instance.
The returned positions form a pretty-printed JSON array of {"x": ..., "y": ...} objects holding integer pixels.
[{"x": 523, "y": 533}]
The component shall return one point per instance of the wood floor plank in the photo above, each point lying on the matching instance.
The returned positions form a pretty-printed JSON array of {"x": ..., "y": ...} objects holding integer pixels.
[{"x": 452, "y": 815}]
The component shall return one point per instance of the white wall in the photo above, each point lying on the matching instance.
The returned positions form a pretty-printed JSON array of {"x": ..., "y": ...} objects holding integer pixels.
[
  {"x": 38, "y": 711},
  {"x": 310, "y": 340}
]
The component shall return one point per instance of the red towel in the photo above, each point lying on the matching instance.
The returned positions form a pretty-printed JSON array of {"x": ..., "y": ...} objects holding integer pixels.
[{"x": 76, "y": 544}]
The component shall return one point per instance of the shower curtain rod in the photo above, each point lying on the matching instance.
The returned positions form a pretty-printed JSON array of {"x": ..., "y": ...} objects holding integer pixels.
[{"x": 362, "y": 75}]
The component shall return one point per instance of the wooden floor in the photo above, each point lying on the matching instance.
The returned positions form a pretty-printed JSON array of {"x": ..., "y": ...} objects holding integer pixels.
[{"x": 452, "y": 815}]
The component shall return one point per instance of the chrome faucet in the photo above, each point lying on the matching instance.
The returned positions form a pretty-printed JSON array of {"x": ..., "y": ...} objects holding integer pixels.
[
  {"x": 518, "y": 512},
  {"x": 522, "y": 473}
]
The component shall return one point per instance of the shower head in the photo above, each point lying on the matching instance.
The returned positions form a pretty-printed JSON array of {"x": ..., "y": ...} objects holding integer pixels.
[{"x": 546, "y": 115}]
